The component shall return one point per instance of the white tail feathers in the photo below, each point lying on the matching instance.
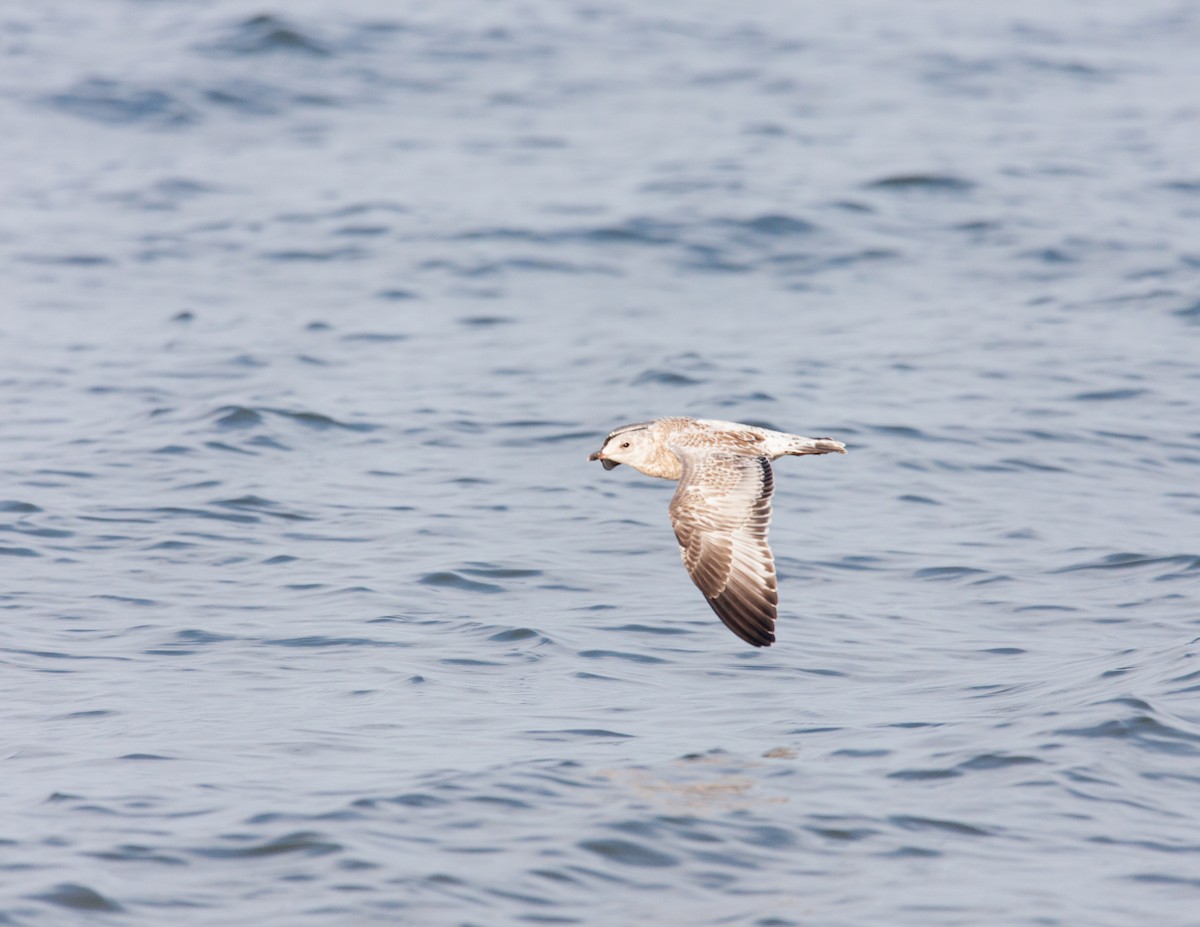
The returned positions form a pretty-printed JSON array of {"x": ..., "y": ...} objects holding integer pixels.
[{"x": 801, "y": 446}]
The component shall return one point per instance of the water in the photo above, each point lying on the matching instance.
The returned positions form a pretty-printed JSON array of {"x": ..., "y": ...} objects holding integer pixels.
[{"x": 314, "y": 612}]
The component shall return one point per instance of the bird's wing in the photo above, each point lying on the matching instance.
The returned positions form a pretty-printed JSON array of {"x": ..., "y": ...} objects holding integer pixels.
[{"x": 720, "y": 513}]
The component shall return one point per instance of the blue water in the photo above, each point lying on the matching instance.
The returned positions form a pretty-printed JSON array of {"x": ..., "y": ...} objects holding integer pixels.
[{"x": 314, "y": 612}]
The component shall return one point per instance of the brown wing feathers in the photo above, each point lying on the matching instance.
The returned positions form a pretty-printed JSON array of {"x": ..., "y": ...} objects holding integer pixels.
[{"x": 720, "y": 513}]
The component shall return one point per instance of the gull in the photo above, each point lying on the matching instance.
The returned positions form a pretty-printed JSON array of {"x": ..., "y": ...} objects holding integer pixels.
[{"x": 722, "y": 508}]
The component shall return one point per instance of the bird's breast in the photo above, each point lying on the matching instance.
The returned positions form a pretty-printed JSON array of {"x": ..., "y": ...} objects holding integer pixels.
[{"x": 664, "y": 465}]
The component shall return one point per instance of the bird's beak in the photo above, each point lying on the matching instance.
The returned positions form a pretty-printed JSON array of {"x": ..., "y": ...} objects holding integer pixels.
[{"x": 608, "y": 464}]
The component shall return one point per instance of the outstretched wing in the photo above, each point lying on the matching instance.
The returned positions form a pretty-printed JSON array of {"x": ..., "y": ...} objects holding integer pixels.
[{"x": 721, "y": 512}]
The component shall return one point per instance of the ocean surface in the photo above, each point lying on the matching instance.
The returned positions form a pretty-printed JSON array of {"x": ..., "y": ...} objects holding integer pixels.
[{"x": 314, "y": 613}]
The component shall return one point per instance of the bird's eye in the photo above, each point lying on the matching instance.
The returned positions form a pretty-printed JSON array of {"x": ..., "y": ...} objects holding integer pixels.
[{"x": 626, "y": 444}]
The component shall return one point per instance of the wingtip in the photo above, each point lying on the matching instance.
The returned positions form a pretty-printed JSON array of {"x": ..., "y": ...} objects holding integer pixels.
[
  {"x": 765, "y": 641},
  {"x": 756, "y": 629}
]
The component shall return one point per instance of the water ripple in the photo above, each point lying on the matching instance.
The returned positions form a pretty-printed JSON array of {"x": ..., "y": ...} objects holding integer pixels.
[
  {"x": 1143, "y": 731},
  {"x": 237, "y": 418},
  {"x": 933, "y": 183},
  {"x": 266, "y": 34},
  {"x": 629, "y": 853},
  {"x": 449, "y": 580},
  {"x": 79, "y": 898},
  {"x": 301, "y": 843},
  {"x": 1186, "y": 563},
  {"x": 120, "y": 103}
]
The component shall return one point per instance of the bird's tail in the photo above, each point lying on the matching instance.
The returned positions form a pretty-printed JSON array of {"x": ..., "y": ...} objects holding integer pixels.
[{"x": 802, "y": 445}]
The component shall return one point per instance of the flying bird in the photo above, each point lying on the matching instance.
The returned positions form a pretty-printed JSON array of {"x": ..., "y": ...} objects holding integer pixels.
[{"x": 722, "y": 508}]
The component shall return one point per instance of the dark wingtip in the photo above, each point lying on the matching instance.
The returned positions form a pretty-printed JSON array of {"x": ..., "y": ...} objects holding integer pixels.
[{"x": 756, "y": 626}]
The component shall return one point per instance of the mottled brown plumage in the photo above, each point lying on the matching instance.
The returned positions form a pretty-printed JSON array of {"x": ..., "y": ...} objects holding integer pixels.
[{"x": 722, "y": 508}]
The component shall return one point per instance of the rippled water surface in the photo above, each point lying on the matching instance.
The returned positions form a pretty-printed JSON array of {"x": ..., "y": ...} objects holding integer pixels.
[{"x": 314, "y": 612}]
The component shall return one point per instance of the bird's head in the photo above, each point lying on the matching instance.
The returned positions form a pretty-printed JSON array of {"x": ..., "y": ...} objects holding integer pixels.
[{"x": 629, "y": 444}]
